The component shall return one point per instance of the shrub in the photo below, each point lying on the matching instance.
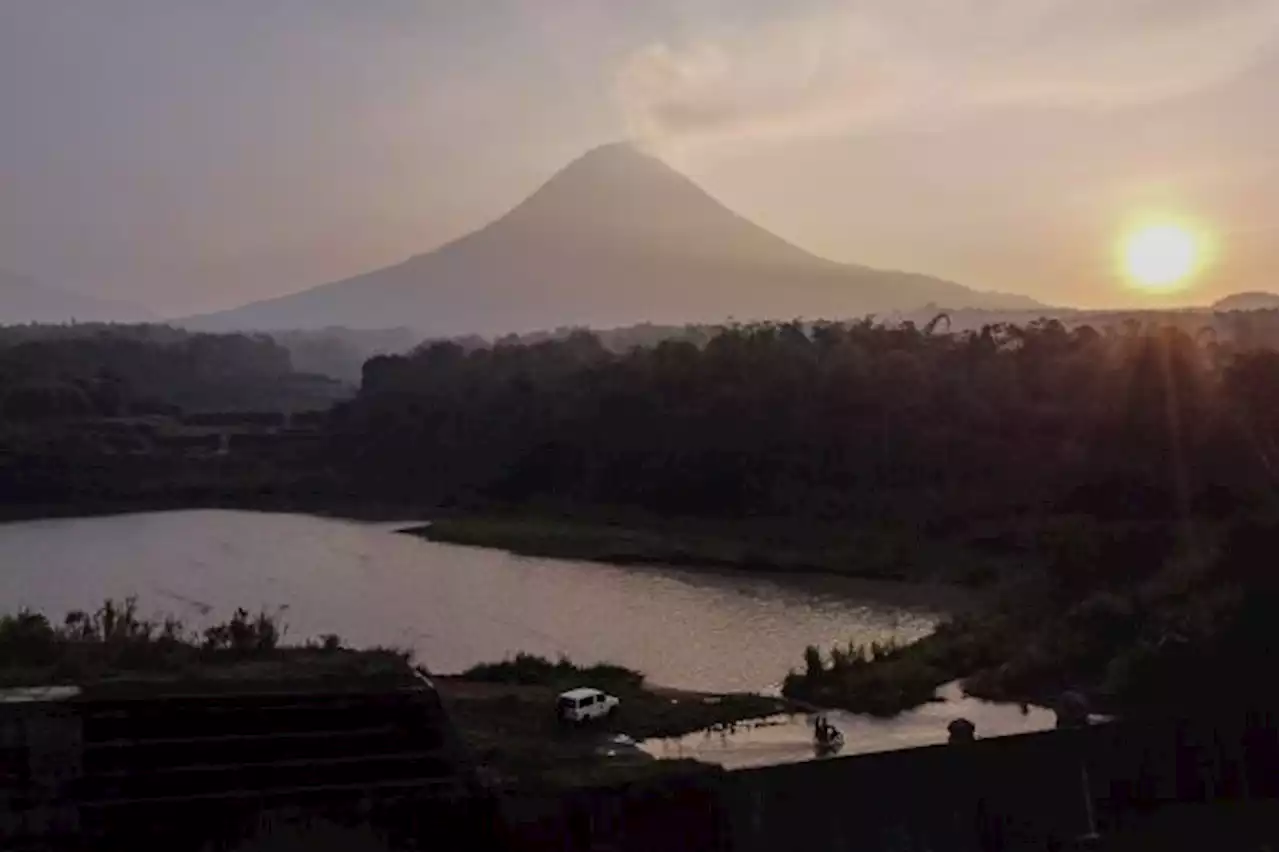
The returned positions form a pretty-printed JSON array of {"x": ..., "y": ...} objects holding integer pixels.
[
  {"x": 115, "y": 639},
  {"x": 878, "y": 678},
  {"x": 533, "y": 670},
  {"x": 244, "y": 635},
  {"x": 812, "y": 661},
  {"x": 27, "y": 638},
  {"x": 330, "y": 642}
]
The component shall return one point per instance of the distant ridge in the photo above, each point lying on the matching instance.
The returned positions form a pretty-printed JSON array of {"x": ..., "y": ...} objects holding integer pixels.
[
  {"x": 614, "y": 238},
  {"x": 1254, "y": 300},
  {"x": 23, "y": 300}
]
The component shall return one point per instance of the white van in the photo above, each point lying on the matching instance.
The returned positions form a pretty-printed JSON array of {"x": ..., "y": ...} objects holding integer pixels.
[{"x": 584, "y": 704}]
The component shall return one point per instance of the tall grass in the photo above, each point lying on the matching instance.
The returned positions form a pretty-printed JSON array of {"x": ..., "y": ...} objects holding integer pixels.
[
  {"x": 882, "y": 679},
  {"x": 115, "y": 639}
]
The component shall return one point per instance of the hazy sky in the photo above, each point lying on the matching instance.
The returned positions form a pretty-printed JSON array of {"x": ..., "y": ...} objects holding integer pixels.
[{"x": 193, "y": 155}]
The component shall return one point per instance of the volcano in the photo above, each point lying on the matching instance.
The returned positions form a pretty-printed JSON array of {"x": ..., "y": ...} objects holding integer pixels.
[{"x": 615, "y": 238}]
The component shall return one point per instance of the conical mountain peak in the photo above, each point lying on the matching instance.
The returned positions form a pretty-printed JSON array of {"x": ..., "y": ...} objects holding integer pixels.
[
  {"x": 616, "y": 175},
  {"x": 615, "y": 155},
  {"x": 615, "y": 237}
]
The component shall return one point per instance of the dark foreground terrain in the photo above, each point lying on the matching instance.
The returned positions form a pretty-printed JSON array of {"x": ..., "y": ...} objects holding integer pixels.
[{"x": 504, "y": 712}]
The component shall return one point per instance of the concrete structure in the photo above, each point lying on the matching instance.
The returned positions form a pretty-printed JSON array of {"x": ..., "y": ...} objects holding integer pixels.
[
  {"x": 158, "y": 765},
  {"x": 172, "y": 766},
  {"x": 41, "y": 750}
]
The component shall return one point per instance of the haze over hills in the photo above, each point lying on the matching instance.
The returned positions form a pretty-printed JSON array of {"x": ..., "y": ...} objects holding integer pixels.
[
  {"x": 23, "y": 300},
  {"x": 616, "y": 237},
  {"x": 1254, "y": 300}
]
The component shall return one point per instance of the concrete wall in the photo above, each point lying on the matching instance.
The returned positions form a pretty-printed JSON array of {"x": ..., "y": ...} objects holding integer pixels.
[
  {"x": 1153, "y": 786},
  {"x": 40, "y": 765},
  {"x": 173, "y": 773},
  {"x": 182, "y": 771}
]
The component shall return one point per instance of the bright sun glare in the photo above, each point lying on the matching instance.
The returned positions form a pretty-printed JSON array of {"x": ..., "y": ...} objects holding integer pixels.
[{"x": 1160, "y": 257}]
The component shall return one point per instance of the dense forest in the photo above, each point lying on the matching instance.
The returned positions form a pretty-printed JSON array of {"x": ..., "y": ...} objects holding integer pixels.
[
  {"x": 1125, "y": 477},
  {"x": 860, "y": 422},
  {"x": 119, "y": 370},
  {"x": 104, "y": 417}
]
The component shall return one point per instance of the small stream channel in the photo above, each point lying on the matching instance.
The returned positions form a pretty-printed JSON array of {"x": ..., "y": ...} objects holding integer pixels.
[{"x": 789, "y": 738}]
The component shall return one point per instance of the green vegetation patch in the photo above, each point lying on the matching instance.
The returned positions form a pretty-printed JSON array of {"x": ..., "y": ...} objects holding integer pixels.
[
  {"x": 530, "y": 669},
  {"x": 116, "y": 648}
]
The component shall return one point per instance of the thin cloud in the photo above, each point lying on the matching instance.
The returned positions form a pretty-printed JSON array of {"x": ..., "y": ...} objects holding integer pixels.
[{"x": 905, "y": 59}]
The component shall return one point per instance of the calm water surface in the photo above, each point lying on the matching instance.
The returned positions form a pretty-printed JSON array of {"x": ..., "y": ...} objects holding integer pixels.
[
  {"x": 788, "y": 739},
  {"x": 453, "y": 605}
]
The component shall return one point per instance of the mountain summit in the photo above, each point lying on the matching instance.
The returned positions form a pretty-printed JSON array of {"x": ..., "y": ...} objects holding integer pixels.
[
  {"x": 614, "y": 238},
  {"x": 617, "y": 195}
]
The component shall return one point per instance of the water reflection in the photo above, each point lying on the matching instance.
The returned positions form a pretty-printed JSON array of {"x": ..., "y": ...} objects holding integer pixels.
[
  {"x": 455, "y": 606},
  {"x": 789, "y": 739}
]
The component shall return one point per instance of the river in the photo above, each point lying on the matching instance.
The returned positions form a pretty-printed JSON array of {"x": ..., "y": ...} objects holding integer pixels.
[{"x": 454, "y": 606}]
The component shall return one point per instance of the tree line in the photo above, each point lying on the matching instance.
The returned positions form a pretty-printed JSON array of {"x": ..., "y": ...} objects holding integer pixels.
[
  {"x": 856, "y": 422},
  {"x": 58, "y": 372}
]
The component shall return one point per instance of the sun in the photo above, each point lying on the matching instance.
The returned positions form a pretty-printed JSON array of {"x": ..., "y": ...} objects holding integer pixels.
[{"x": 1160, "y": 257}]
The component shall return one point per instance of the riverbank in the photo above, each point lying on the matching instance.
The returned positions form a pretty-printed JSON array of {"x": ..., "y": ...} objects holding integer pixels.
[
  {"x": 1122, "y": 612},
  {"x": 324, "y": 507},
  {"x": 504, "y": 711},
  {"x": 760, "y": 545},
  {"x": 883, "y": 680},
  {"x": 757, "y": 545},
  {"x": 1140, "y": 620},
  {"x": 513, "y": 735}
]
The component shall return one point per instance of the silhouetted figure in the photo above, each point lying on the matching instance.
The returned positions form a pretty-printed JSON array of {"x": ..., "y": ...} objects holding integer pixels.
[
  {"x": 1072, "y": 710},
  {"x": 826, "y": 738},
  {"x": 961, "y": 731}
]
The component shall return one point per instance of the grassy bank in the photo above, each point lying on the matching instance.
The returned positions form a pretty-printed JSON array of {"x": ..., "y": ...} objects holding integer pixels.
[
  {"x": 645, "y": 711},
  {"x": 114, "y": 645},
  {"x": 884, "y": 680},
  {"x": 1142, "y": 620},
  {"x": 506, "y": 713},
  {"x": 755, "y": 544}
]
